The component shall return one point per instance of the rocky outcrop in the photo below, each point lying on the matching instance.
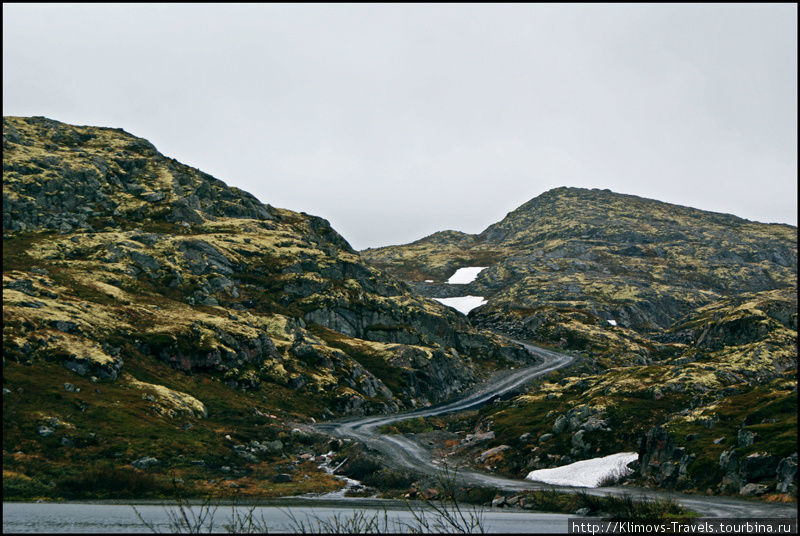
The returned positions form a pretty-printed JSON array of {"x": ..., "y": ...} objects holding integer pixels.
[
  {"x": 184, "y": 351},
  {"x": 661, "y": 461},
  {"x": 786, "y": 473}
]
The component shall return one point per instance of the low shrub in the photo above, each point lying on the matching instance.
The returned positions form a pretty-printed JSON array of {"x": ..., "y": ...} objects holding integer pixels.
[
  {"x": 24, "y": 488},
  {"x": 111, "y": 483}
]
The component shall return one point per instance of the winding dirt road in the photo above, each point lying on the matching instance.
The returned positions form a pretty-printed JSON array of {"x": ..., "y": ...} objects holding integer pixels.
[{"x": 404, "y": 452}]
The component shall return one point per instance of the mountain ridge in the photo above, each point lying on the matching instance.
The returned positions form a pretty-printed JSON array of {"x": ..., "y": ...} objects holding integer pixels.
[
  {"x": 594, "y": 239},
  {"x": 450, "y": 234},
  {"x": 169, "y": 302}
]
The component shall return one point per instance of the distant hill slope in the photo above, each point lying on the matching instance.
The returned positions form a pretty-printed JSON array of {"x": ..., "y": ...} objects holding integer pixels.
[
  {"x": 603, "y": 256},
  {"x": 685, "y": 321},
  {"x": 179, "y": 307}
]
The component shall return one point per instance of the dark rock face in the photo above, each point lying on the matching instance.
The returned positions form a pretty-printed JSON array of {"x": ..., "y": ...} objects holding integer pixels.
[
  {"x": 436, "y": 379},
  {"x": 757, "y": 465},
  {"x": 661, "y": 461},
  {"x": 787, "y": 474},
  {"x": 82, "y": 367},
  {"x": 746, "y": 438},
  {"x": 237, "y": 353}
]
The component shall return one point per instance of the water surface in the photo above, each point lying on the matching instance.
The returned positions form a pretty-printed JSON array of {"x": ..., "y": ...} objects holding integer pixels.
[{"x": 103, "y": 517}]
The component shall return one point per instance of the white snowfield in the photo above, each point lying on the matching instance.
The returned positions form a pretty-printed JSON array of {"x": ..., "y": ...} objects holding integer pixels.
[
  {"x": 463, "y": 304},
  {"x": 465, "y": 275},
  {"x": 612, "y": 322},
  {"x": 586, "y": 473}
]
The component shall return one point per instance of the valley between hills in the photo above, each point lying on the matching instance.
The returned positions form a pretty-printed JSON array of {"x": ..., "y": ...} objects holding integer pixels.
[{"x": 166, "y": 333}]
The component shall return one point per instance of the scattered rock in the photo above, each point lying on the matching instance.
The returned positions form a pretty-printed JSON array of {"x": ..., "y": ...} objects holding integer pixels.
[
  {"x": 145, "y": 462},
  {"x": 492, "y": 452},
  {"x": 274, "y": 446},
  {"x": 582, "y": 512},
  {"x": 247, "y": 456},
  {"x": 66, "y": 326},
  {"x": 153, "y": 197},
  {"x": 46, "y": 431},
  {"x": 480, "y": 436},
  {"x": 750, "y": 490},
  {"x": 745, "y": 438},
  {"x": 577, "y": 440},
  {"x": 282, "y": 477},
  {"x": 594, "y": 424},
  {"x": 560, "y": 425}
]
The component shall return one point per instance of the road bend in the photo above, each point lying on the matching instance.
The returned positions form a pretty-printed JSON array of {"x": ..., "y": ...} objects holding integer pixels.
[{"x": 404, "y": 452}]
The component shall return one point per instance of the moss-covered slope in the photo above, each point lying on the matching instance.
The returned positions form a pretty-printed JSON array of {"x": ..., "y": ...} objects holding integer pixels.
[
  {"x": 185, "y": 310},
  {"x": 720, "y": 417},
  {"x": 640, "y": 262},
  {"x": 685, "y": 321}
]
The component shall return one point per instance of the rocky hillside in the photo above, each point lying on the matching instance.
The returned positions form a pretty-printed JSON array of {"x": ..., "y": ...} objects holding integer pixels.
[
  {"x": 685, "y": 321},
  {"x": 151, "y": 311},
  {"x": 564, "y": 264}
]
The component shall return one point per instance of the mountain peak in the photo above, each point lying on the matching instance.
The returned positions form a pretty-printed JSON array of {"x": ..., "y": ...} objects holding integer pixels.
[
  {"x": 65, "y": 177},
  {"x": 581, "y": 212}
]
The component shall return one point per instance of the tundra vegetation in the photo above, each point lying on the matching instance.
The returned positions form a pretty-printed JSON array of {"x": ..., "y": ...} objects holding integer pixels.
[
  {"x": 684, "y": 321},
  {"x": 163, "y": 330}
]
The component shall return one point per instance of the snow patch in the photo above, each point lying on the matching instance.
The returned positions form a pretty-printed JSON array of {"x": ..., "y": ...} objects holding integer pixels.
[
  {"x": 586, "y": 473},
  {"x": 463, "y": 304},
  {"x": 612, "y": 322},
  {"x": 429, "y": 280},
  {"x": 465, "y": 275}
]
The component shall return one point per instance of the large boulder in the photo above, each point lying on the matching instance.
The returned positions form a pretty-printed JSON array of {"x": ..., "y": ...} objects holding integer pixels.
[
  {"x": 786, "y": 474},
  {"x": 758, "y": 465}
]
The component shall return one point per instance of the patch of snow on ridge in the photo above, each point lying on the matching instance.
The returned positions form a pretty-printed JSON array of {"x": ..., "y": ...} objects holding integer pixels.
[
  {"x": 463, "y": 304},
  {"x": 586, "y": 473},
  {"x": 465, "y": 275},
  {"x": 612, "y": 322}
]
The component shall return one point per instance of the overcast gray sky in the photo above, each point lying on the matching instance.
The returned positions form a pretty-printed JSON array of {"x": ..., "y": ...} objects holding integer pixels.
[{"x": 396, "y": 121}]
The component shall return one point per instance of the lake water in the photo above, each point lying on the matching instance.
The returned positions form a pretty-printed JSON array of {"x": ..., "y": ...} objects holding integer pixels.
[{"x": 89, "y": 517}]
